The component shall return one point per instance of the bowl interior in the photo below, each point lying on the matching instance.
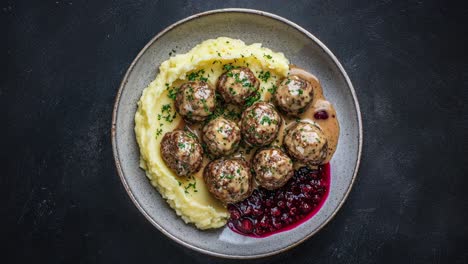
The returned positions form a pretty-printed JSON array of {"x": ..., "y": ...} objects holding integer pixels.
[{"x": 251, "y": 27}]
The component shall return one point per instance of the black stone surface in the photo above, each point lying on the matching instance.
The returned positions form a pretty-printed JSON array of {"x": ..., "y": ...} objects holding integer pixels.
[{"x": 62, "y": 62}]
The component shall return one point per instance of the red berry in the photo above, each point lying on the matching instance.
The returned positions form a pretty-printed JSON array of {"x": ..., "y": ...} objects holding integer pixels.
[
  {"x": 245, "y": 225},
  {"x": 321, "y": 114},
  {"x": 275, "y": 211}
]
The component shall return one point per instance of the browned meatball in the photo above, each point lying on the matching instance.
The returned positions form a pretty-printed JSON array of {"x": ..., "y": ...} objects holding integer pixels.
[
  {"x": 181, "y": 152},
  {"x": 229, "y": 180},
  {"x": 294, "y": 95},
  {"x": 273, "y": 168},
  {"x": 195, "y": 100},
  {"x": 221, "y": 136},
  {"x": 306, "y": 142},
  {"x": 260, "y": 124},
  {"x": 236, "y": 85}
]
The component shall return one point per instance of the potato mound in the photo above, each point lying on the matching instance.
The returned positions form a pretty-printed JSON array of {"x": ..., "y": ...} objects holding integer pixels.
[{"x": 156, "y": 115}]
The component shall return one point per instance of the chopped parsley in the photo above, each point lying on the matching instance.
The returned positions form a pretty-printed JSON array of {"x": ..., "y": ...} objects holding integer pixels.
[
  {"x": 158, "y": 132},
  {"x": 197, "y": 75},
  {"x": 205, "y": 106},
  {"x": 272, "y": 90},
  {"x": 227, "y": 176},
  {"x": 267, "y": 119},
  {"x": 166, "y": 113},
  {"x": 264, "y": 76},
  {"x": 171, "y": 92},
  {"x": 192, "y": 135},
  {"x": 228, "y": 67},
  {"x": 268, "y": 56},
  {"x": 191, "y": 185},
  {"x": 231, "y": 90},
  {"x": 166, "y": 108},
  {"x": 252, "y": 99}
]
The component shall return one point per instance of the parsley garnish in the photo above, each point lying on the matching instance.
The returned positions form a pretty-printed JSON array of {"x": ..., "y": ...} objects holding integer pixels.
[
  {"x": 171, "y": 92},
  {"x": 166, "y": 113},
  {"x": 252, "y": 99},
  {"x": 266, "y": 119},
  {"x": 227, "y": 176},
  {"x": 205, "y": 106},
  {"x": 272, "y": 90},
  {"x": 264, "y": 76},
  {"x": 191, "y": 185},
  {"x": 228, "y": 67},
  {"x": 158, "y": 132},
  {"x": 198, "y": 75}
]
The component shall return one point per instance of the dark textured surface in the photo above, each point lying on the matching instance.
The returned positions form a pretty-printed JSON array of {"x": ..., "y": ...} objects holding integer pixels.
[{"x": 62, "y": 62}]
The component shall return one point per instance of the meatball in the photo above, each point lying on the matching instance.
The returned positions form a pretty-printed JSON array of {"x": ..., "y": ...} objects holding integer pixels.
[
  {"x": 182, "y": 152},
  {"x": 306, "y": 142},
  {"x": 195, "y": 100},
  {"x": 236, "y": 85},
  {"x": 221, "y": 136},
  {"x": 294, "y": 95},
  {"x": 229, "y": 180},
  {"x": 273, "y": 168},
  {"x": 260, "y": 124}
]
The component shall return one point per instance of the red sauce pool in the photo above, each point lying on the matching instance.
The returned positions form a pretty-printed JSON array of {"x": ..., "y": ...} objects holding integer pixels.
[{"x": 266, "y": 212}]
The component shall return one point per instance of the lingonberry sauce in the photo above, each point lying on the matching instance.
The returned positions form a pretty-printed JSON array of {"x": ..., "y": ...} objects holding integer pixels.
[{"x": 266, "y": 212}]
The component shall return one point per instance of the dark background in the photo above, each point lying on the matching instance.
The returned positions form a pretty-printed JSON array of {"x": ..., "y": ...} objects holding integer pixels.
[{"x": 62, "y": 62}]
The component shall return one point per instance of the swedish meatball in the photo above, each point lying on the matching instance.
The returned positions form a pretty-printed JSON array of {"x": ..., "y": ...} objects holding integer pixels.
[
  {"x": 260, "y": 124},
  {"x": 306, "y": 142},
  {"x": 229, "y": 180},
  {"x": 273, "y": 168},
  {"x": 293, "y": 95},
  {"x": 181, "y": 152},
  {"x": 236, "y": 85},
  {"x": 221, "y": 136},
  {"x": 195, "y": 100}
]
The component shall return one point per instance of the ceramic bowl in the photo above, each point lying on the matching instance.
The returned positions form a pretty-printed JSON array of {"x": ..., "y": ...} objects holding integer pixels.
[{"x": 251, "y": 26}]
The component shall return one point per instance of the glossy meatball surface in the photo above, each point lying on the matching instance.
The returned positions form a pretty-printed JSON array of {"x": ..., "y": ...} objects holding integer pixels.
[
  {"x": 221, "y": 136},
  {"x": 181, "y": 152},
  {"x": 273, "y": 168},
  {"x": 195, "y": 100},
  {"x": 306, "y": 142},
  {"x": 293, "y": 95},
  {"x": 260, "y": 124},
  {"x": 236, "y": 85},
  {"x": 229, "y": 180}
]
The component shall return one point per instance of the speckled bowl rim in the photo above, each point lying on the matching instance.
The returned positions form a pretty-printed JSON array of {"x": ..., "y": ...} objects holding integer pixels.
[{"x": 233, "y": 10}]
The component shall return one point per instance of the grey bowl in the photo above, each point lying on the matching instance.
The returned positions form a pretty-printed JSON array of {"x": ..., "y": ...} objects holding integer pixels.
[{"x": 251, "y": 26}]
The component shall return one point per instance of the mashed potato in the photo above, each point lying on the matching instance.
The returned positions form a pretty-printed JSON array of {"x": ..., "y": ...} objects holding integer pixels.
[{"x": 156, "y": 115}]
